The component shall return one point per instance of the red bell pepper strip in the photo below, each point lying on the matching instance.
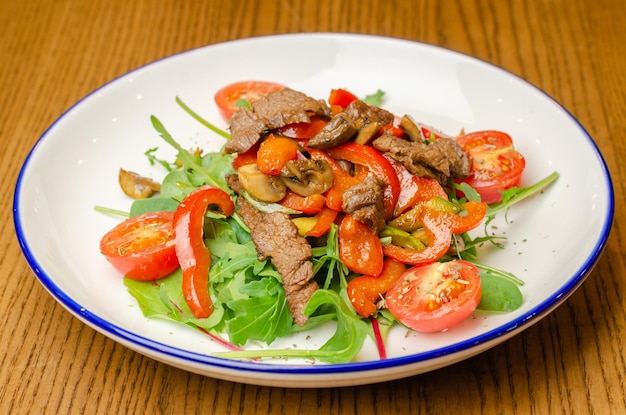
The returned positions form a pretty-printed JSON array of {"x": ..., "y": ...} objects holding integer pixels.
[
  {"x": 395, "y": 131},
  {"x": 377, "y": 164},
  {"x": 414, "y": 189},
  {"x": 341, "y": 97},
  {"x": 439, "y": 227},
  {"x": 359, "y": 247},
  {"x": 274, "y": 152},
  {"x": 323, "y": 221},
  {"x": 303, "y": 130},
  {"x": 193, "y": 256},
  {"x": 363, "y": 291},
  {"x": 309, "y": 205},
  {"x": 249, "y": 157}
]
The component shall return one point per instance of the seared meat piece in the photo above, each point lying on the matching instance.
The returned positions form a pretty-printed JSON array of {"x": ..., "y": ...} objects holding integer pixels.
[
  {"x": 276, "y": 237},
  {"x": 364, "y": 201},
  {"x": 287, "y": 106},
  {"x": 269, "y": 112},
  {"x": 363, "y": 114},
  {"x": 245, "y": 130},
  {"x": 440, "y": 159}
]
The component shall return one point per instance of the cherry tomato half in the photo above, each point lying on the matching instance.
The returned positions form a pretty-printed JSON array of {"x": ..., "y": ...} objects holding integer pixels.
[
  {"x": 142, "y": 247},
  {"x": 435, "y": 297},
  {"x": 227, "y": 97},
  {"x": 494, "y": 164}
]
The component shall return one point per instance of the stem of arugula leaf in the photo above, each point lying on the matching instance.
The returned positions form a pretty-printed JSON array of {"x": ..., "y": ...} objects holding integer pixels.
[{"x": 201, "y": 120}]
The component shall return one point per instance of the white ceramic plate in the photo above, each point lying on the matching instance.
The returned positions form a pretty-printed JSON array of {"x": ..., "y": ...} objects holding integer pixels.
[{"x": 554, "y": 239}]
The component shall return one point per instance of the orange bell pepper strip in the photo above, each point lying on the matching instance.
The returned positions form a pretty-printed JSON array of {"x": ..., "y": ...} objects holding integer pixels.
[
  {"x": 309, "y": 205},
  {"x": 324, "y": 219},
  {"x": 342, "y": 180},
  {"x": 274, "y": 152},
  {"x": 363, "y": 291},
  {"x": 360, "y": 248},
  {"x": 439, "y": 227},
  {"x": 193, "y": 256}
]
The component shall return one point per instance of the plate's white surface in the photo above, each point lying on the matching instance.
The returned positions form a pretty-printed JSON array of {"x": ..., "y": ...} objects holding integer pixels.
[{"x": 554, "y": 239}]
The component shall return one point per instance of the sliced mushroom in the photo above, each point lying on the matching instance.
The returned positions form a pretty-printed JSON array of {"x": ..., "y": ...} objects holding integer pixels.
[
  {"x": 411, "y": 129},
  {"x": 136, "y": 186},
  {"x": 340, "y": 129},
  {"x": 367, "y": 132},
  {"x": 307, "y": 177},
  {"x": 261, "y": 186}
]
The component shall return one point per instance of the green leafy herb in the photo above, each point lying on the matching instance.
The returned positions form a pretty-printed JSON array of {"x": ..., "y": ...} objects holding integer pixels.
[
  {"x": 343, "y": 346},
  {"x": 193, "y": 163},
  {"x": 499, "y": 294},
  {"x": 201, "y": 120},
  {"x": 516, "y": 195},
  {"x": 155, "y": 160},
  {"x": 375, "y": 99}
]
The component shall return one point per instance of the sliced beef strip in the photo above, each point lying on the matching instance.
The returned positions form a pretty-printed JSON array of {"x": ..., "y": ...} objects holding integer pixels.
[
  {"x": 245, "y": 130},
  {"x": 288, "y": 106},
  {"x": 364, "y": 201},
  {"x": 270, "y": 112},
  {"x": 440, "y": 159},
  {"x": 363, "y": 113},
  {"x": 276, "y": 237}
]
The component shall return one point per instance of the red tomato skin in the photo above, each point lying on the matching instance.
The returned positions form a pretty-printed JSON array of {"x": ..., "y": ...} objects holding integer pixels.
[
  {"x": 503, "y": 167},
  {"x": 227, "y": 97},
  {"x": 156, "y": 259},
  {"x": 421, "y": 312}
]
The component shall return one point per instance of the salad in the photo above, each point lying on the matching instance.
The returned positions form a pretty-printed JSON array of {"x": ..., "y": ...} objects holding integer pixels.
[{"x": 318, "y": 211}]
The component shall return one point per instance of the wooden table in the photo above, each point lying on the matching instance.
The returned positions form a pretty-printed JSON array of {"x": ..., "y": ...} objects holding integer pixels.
[{"x": 54, "y": 52}]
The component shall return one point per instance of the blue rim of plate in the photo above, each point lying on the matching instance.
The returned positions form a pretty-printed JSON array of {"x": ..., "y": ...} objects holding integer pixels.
[{"x": 533, "y": 315}]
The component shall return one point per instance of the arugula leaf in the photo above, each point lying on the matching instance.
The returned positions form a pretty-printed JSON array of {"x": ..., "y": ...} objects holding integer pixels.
[
  {"x": 263, "y": 315},
  {"x": 164, "y": 299},
  {"x": 201, "y": 120},
  {"x": 499, "y": 294},
  {"x": 327, "y": 257},
  {"x": 193, "y": 163},
  {"x": 152, "y": 159},
  {"x": 342, "y": 347},
  {"x": 153, "y": 204},
  {"x": 515, "y": 194}
]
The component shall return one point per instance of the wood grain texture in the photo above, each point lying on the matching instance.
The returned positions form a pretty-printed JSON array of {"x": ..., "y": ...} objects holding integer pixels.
[{"x": 54, "y": 52}]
